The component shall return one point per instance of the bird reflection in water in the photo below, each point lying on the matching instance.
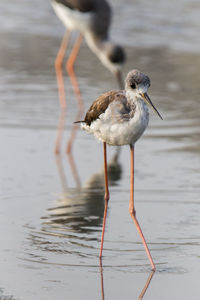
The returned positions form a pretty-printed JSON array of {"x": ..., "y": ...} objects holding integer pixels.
[
  {"x": 61, "y": 124},
  {"x": 141, "y": 296},
  {"x": 147, "y": 283},
  {"x": 81, "y": 209}
]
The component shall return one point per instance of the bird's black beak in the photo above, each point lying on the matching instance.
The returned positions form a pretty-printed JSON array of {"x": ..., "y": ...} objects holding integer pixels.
[
  {"x": 148, "y": 100},
  {"x": 120, "y": 80}
]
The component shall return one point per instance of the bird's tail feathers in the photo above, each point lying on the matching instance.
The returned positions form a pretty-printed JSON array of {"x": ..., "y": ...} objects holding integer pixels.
[{"x": 79, "y": 122}]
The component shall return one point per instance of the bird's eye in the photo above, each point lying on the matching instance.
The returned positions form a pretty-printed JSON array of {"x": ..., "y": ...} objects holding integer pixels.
[{"x": 133, "y": 86}]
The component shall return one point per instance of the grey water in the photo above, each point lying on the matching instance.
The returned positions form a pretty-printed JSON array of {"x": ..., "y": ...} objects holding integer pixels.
[{"x": 52, "y": 207}]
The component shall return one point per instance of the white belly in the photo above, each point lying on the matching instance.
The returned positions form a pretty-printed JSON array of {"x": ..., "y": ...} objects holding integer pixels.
[
  {"x": 72, "y": 19},
  {"x": 114, "y": 132}
]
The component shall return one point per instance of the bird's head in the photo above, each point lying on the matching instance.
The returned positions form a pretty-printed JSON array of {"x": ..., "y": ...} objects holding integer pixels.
[
  {"x": 137, "y": 84},
  {"x": 113, "y": 58}
]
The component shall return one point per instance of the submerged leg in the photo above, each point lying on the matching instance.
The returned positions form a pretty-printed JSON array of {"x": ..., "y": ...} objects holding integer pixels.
[
  {"x": 58, "y": 68},
  {"x": 106, "y": 197},
  {"x": 132, "y": 209}
]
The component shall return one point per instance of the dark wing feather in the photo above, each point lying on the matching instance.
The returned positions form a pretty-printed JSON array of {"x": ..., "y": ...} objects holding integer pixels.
[
  {"x": 81, "y": 5},
  {"x": 102, "y": 20},
  {"x": 100, "y": 105},
  {"x": 101, "y": 14}
]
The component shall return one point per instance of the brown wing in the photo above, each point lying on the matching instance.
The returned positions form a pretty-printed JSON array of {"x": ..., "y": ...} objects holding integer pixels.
[{"x": 100, "y": 105}]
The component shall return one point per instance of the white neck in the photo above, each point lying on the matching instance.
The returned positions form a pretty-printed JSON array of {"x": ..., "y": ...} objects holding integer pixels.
[
  {"x": 131, "y": 95},
  {"x": 99, "y": 48}
]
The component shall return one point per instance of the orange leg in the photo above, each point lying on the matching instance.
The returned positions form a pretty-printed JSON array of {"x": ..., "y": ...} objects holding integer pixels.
[
  {"x": 132, "y": 209},
  {"x": 58, "y": 68},
  {"x": 70, "y": 69},
  {"x": 106, "y": 198}
]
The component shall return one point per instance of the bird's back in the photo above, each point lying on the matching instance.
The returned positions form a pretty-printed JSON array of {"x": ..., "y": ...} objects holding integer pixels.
[
  {"x": 81, "y": 5},
  {"x": 100, "y": 14},
  {"x": 86, "y": 5},
  {"x": 103, "y": 103}
]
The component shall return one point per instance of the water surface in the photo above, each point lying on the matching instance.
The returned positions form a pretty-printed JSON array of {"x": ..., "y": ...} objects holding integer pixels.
[{"x": 52, "y": 207}]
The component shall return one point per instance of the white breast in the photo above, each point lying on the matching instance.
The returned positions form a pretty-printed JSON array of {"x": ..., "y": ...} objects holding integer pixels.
[
  {"x": 117, "y": 132},
  {"x": 72, "y": 19}
]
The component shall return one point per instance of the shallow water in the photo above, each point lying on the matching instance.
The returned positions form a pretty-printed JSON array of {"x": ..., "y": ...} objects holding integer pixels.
[{"x": 52, "y": 207}]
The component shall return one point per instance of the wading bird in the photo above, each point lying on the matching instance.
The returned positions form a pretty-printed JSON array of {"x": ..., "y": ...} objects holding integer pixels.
[
  {"x": 119, "y": 118},
  {"x": 92, "y": 19}
]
